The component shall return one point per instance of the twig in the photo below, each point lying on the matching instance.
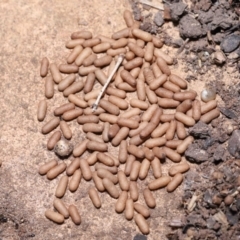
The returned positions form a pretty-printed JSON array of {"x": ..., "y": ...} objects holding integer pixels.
[
  {"x": 154, "y": 5},
  {"x": 119, "y": 61},
  {"x": 192, "y": 203},
  {"x": 183, "y": 46},
  {"x": 210, "y": 38}
]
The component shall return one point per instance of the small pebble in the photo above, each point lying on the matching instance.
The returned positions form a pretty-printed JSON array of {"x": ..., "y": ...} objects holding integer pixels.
[{"x": 63, "y": 148}]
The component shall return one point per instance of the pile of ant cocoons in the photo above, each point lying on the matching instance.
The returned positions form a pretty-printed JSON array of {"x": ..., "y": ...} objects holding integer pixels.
[{"x": 132, "y": 116}]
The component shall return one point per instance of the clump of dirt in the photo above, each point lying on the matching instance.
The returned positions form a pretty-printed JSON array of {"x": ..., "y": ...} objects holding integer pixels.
[
  {"x": 211, "y": 197},
  {"x": 206, "y": 28},
  {"x": 209, "y": 45},
  {"x": 215, "y": 212}
]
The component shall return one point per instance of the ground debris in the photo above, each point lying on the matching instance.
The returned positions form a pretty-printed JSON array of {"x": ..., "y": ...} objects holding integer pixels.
[
  {"x": 230, "y": 43},
  {"x": 234, "y": 144},
  {"x": 177, "y": 10},
  {"x": 200, "y": 130},
  {"x": 228, "y": 112},
  {"x": 202, "y": 4},
  {"x": 221, "y": 21},
  {"x": 196, "y": 220},
  {"x": 158, "y": 19},
  {"x": 215, "y": 175},
  {"x": 196, "y": 154},
  {"x": 189, "y": 27}
]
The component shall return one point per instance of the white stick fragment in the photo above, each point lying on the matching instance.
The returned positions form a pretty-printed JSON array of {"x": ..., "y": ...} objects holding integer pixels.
[
  {"x": 192, "y": 203},
  {"x": 119, "y": 61},
  {"x": 158, "y": 6}
]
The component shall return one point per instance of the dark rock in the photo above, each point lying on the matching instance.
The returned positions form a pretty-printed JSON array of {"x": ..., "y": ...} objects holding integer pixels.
[
  {"x": 228, "y": 113},
  {"x": 195, "y": 154},
  {"x": 177, "y": 10},
  {"x": 140, "y": 237},
  {"x": 205, "y": 17},
  {"x": 230, "y": 43},
  {"x": 189, "y": 27},
  {"x": 148, "y": 27},
  {"x": 207, "y": 143},
  {"x": 136, "y": 12},
  {"x": 158, "y": 19},
  {"x": 219, "y": 153},
  {"x": 221, "y": 21},
  {"x": 154, "y": 30},
  {"x": 199, "y": 130},
  {"x": 234, "y": 144}
]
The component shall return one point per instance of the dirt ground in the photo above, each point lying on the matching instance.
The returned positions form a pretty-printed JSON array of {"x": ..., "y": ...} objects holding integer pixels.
[{"x": 30, "y": 31}]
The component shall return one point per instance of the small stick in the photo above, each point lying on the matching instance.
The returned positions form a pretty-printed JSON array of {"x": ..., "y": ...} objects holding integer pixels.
[
  {"x": 183, "y": 46},
  {"x": 119, "y": 61},
  {"x": 158, "y": 6}
]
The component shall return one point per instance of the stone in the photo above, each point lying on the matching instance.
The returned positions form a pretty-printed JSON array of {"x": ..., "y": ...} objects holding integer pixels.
[
  {"x": 195, "y": 154},
  {"x": 230, "y": 43},
  {"x": 234, "y": 144},
  {"x": 189, "y": 27},
  {"x": 177, "y": 10},
  {"x": 219, "y": 153},
  {"x": 158, "y": 19},
  {"x": 140, "y": 237},
  {"x": 199, "y": 130},
  {"x": 205, "y": 17},
  {"x": 221, "y": 20}
]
